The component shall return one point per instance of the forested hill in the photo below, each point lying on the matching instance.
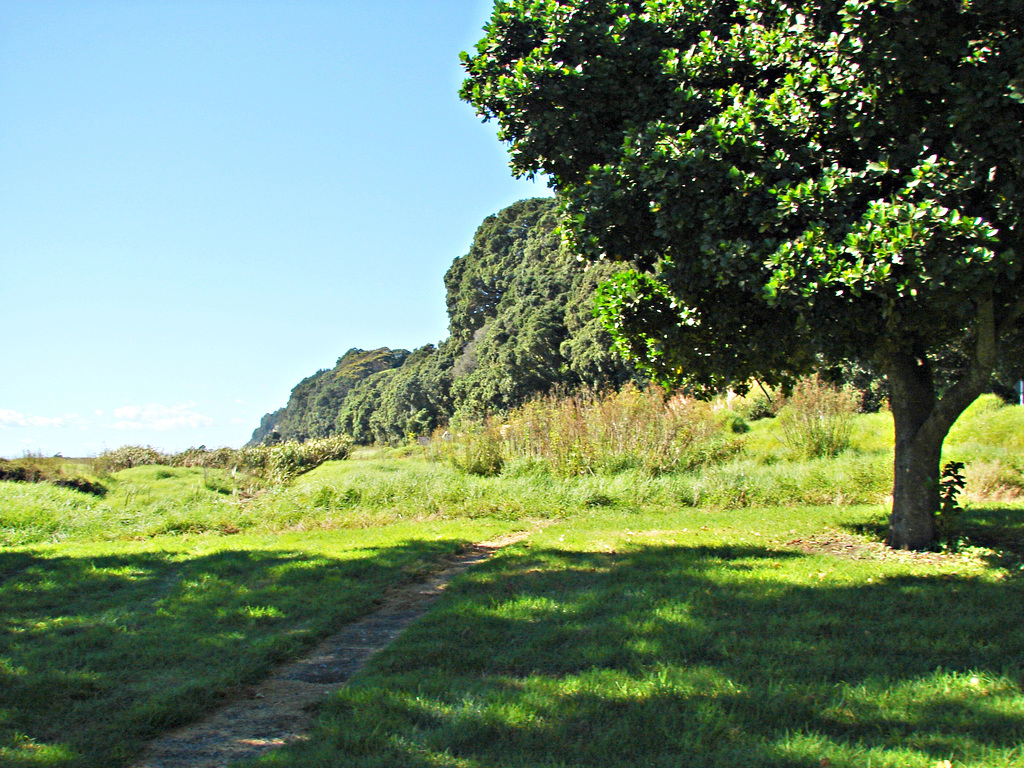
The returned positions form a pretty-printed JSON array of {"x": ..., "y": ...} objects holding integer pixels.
[
  {"x": 315, "y": 401},
  {"x": 520, "y": 324}
]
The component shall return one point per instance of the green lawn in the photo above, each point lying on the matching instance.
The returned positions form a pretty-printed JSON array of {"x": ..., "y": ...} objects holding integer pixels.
[
  {"x": 106, "y": 644},
  {"x": 697, "y": 639}
]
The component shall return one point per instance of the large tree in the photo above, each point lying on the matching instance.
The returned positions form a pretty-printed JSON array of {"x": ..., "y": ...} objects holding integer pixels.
[{"x": 800, "y": 181}]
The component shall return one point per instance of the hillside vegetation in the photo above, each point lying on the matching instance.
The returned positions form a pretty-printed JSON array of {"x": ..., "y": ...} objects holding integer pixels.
[{"x": 521, "y": 323}]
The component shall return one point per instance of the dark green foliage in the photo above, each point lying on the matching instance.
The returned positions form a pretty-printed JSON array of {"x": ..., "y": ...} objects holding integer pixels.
[
  {"x": 316, "y": 400},
  {"x": 951, "y": 485},
  {"x": 587, "y": 348},
  {"x": 521, "y": 324},
  {"x": 267, "y": 430},
  {"x": 522, "y": 314},
  {"x": 519, "y": 327},
  {"x": 394, "y": 404},
  {"x": 477, "y": 282},
  {"x": 794, "y": 178},
  {"x": 796, "y": 182}
]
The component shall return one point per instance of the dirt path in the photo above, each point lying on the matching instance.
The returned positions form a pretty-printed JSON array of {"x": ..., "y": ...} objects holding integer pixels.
[{"x": 279, "y": 710}]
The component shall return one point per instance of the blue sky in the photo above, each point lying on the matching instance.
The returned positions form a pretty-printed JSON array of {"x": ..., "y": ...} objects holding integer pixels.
[{"x": 203, "y": 202}]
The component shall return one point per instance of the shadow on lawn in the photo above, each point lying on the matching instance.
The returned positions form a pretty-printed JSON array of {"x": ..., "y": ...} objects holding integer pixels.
[
  {"x": 997, "y": 529},
  {"x": 98, "y": 654},
  {"x": 688, "y": 656}
]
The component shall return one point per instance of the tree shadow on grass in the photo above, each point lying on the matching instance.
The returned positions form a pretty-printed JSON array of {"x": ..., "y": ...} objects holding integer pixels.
[
  {"x": 100, "y": 653},
  {"x": 688, "y": 656},
  {"x": 999, "y": 530}
]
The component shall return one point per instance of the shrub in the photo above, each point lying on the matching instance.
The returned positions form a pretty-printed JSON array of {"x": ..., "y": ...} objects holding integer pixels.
[
  {"x": 128, "y": 456},
  {"x": 817, "y": 419},
  {"x": 477, "y": 451},
  {"x": 276, "y": 463},
  {"x": 758, "y": 403},
  {"x": 219, "y": 458},
  {"x": 280, "y": 462}
]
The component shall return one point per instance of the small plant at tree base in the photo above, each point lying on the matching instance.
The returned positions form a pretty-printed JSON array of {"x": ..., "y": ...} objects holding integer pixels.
[{"x": 951, "y": 485}]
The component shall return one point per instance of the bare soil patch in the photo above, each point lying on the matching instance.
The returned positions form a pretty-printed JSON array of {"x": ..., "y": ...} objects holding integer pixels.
[{"x": 857, "y": 547}]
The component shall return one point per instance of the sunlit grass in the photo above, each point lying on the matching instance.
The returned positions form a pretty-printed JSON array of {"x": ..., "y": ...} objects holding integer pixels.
[
  {"x": 378, "y": 488},
  {"x": 682, "y": 618},
  {"x": 104, "y": 645},
  {"x": 700, "y": 639}
]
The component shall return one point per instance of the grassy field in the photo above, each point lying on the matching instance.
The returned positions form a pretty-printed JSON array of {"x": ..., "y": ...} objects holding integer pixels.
[
  {"x": 106, "y": 644},
  {"x": 742, "y": 613},
  {"x": 701, "y": 638}
]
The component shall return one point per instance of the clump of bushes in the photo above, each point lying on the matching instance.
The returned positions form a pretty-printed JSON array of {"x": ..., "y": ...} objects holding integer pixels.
[
  {"x": 283, "y": 461},
  {"x": 272, "y": 463},
  {"x": 218, "y": 458},
  {"x": 128, "y": 456},
  {"x": 479, "y": 450},
  {"x": 758, "y": 403}
]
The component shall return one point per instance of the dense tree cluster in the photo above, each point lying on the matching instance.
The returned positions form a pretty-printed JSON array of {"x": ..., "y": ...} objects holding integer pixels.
[
  {"x": 315, "y": 400},
  {"x": 521, "y": 323}
]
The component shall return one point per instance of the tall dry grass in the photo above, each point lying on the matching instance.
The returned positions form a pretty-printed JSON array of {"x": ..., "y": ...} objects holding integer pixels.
[
  {"x": 817, "y": 420},
  {"x": 596, "y": 434}
]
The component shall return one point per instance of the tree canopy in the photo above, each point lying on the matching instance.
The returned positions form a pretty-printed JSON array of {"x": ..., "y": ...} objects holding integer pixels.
[
  {"x": 797, "y": 182},
  {"x": 315, "y": 400}
]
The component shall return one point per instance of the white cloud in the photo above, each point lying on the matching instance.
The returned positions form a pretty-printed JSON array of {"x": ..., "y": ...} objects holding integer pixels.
[
  {"x": 15, "y": 419},
  {"x": 160, "y": 417}
]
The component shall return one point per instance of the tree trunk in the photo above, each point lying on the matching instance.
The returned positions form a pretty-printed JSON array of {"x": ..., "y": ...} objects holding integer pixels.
[
  {"x": 915, "y": 493},
  {"x": 922, "y": 422}
]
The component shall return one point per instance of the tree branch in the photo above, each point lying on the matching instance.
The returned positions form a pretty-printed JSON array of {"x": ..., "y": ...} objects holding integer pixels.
[{"x": 966, "y": 391}]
